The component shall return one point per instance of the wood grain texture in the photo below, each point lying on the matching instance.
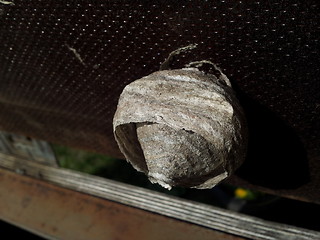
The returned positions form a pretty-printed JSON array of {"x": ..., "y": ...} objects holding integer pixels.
[
  {"x": 55, "y": 212},
  {"x": 196, "y": 213}
]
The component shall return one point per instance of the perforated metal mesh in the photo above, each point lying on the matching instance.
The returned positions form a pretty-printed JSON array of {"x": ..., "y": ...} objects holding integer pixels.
[{"x": 63, "y": 64}]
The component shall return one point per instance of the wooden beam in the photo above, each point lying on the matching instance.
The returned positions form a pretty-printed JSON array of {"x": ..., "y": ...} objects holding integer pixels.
[
  {"x": 112, "y": 192},
  {"x": 58, "y": 213}
]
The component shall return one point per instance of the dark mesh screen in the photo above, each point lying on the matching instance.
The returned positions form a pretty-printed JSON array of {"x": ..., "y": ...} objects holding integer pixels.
[{"x": 63, "y": 65}]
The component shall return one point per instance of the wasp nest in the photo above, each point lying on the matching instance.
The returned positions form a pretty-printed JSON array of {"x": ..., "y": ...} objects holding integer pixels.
[{"x": 181, "y": 128}]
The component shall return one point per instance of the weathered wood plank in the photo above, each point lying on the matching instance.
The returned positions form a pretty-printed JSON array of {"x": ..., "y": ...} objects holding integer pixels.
[
  {"x": 58, "y": 213},
  {"x": 196, "y": 213}
]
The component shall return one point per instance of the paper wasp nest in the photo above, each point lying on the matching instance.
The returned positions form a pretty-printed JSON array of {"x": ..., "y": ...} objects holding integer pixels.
[{"x": 181, "y": 128}]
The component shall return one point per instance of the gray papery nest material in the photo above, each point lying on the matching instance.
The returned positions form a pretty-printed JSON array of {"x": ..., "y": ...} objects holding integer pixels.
[{"x": 181, "y": 127}]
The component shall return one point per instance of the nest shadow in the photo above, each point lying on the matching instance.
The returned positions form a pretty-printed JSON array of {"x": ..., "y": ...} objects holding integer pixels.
[{"x": 276, "y": 158}]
